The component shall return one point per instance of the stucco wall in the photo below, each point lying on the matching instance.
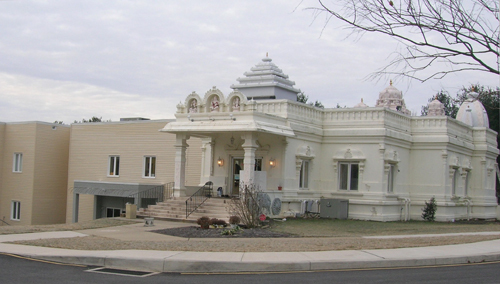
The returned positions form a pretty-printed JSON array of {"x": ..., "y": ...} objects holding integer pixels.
[
  {"x": 19, "y": 138},
  {"x": 51, "y": 174},
  {"x": 91, "y": 144}
]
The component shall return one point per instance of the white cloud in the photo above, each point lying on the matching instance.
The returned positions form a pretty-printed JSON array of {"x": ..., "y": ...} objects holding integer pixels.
[
  {"x": 50, "y": 100},
  {"x": 75, "y": 59}
]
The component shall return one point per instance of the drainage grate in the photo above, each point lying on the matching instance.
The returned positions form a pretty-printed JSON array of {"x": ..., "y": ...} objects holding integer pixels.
[{"x": 132, "y": 273}]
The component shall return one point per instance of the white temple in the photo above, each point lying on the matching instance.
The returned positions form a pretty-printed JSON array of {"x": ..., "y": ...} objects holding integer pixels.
[{"x": 385, "y": 162}]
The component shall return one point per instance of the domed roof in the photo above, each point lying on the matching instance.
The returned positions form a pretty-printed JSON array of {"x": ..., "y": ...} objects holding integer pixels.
[
  {"x": 361, "y": 104},
  {"x": 390, "y": 93},
  {"x": 392, "y": 98},
  {"x": 472, "y": 112},
  {"x": 436, "y": 108}
]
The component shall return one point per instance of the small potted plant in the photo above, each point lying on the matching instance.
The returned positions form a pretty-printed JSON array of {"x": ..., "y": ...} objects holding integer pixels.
[{"x": 234, "y": 221}]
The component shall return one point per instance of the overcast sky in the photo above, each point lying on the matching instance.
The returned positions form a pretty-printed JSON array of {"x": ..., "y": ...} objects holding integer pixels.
[{"x": 69, "y": 60}]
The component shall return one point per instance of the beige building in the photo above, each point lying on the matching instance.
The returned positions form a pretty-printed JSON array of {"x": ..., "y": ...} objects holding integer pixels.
[
  {"x": 111, "y": 162},
  {"x": 33, "y": 172}
]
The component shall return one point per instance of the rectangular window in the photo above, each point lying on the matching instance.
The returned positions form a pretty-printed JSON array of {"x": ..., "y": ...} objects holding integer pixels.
[
  {"x": 113, "y": 212},
  {"x": 15, "y": 212},
  {"x": 390, "y": 179},
  {"x": 18, "y": 163},
  {"x": 304, "y": 175},
  {"x": 149, "y": 166},
  {"x": 348, "y": 176},
  {"x": 114, "y": 166}
]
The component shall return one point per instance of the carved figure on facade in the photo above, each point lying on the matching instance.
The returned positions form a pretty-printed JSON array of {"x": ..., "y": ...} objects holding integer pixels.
[
  {"x": 214, "y": 104},
  {"x": 236, "y": 104},
  {"x": 193, "y": 108}
]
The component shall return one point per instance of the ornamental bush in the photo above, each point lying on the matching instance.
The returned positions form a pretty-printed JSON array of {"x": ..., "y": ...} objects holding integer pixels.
[{"x": 429, "y": 211}]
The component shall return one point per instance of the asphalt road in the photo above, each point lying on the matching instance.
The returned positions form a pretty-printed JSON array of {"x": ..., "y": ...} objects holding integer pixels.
[{"x": 20, "y": 270}]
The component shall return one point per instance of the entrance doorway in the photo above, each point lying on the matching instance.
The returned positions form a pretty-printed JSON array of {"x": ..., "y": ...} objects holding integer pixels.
[{"x": 237, "y": 166}]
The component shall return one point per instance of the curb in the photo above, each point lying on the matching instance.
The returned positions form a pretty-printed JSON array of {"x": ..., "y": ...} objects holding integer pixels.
[{"x": 192, "y": 262}]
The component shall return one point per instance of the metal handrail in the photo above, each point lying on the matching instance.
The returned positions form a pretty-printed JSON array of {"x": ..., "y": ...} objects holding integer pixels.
[
  {"x": 198, "y": 198},
  {"x": 169, "y": 190},
  {"x": 148, "y": 197},
  {"x": 5, "y": 222}
]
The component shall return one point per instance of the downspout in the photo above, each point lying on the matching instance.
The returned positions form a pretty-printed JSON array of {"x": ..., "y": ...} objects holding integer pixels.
[
  {"x": 468, "y": 203},
  {"x": 409, "y": 206},
  {"x": 406, "y": 208}
]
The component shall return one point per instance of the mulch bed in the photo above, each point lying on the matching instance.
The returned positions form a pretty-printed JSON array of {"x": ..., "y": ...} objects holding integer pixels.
[{"x": 197, "y": 232}]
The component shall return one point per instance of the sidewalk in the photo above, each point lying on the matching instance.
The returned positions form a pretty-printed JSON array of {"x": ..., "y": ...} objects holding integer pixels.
[{"x": 206, "y": 262}]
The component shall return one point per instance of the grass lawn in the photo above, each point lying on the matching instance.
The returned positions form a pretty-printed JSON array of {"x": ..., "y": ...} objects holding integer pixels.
[{"x": 356, "y": 228}]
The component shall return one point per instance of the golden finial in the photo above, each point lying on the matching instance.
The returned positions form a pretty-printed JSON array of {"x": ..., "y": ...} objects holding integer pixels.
[
  {"x": 473, "y": 88},
  {"x": 361, "y": 99},
  {"x": 267, "y": 54},
  {"x": 390, "y": 82}
]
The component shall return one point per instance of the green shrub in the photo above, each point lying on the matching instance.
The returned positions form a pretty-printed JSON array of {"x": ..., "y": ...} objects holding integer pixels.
[{"x": 429, "y": 211}]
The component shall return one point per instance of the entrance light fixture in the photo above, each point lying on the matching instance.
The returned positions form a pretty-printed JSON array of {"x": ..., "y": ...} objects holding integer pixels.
[
  {"x": 272, "y": 162},
  {"x": 220, "y": 162}
]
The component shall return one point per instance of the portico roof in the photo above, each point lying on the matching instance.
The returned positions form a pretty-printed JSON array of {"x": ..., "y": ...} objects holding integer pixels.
[{"x": 207, "y": 125}]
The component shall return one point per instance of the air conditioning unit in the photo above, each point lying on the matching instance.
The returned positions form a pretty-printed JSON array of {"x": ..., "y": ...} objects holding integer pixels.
[{"x": 334, "y": 208}]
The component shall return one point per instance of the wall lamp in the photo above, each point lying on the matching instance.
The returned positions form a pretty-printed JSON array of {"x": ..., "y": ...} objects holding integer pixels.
[
  {"x": 272, "y": 162},
  {"x": 220, "y": 162}
]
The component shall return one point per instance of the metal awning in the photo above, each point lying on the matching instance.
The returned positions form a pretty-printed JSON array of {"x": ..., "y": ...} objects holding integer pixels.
[{"x": 110, "y": 189}]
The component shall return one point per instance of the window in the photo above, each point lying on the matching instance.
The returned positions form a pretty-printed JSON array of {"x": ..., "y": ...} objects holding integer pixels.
[
  {"x": 390, "y": 178},
  {"x": 349, "y": 176},
  {"x": 18, "y": 163},
  {"x": 454, "y": 181},
  {"x": 113, "y": 212},
  {"x": 15, "y": 212},
  {"x": 114, "y": 166},
  {"x": 304, "y": 175},
  {"x": 149, "y": 166}
]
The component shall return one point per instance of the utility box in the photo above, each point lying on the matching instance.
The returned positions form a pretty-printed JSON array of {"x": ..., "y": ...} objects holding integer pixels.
[
  {"x": 334, "y": 208},
  {"x": 130, "y": 211}
]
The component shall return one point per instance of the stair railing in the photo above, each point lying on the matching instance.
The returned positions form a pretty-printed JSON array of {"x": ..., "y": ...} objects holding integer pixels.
[
  {"x": 3, "y": 222},
  {"x": 198, "y": 198},
  {"x": 147, "y": 197},
  {"x": 169, "y": 190}
]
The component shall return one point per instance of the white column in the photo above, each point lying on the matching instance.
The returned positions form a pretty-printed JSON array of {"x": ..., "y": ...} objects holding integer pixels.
[
  {"x": 180, "y": 165},
  {"x": 207, "y": 156},
  {"x": 250, "y": 146}
]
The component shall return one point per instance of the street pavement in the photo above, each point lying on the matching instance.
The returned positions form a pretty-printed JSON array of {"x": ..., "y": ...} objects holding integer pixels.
[{"x": 212, "y": 262}]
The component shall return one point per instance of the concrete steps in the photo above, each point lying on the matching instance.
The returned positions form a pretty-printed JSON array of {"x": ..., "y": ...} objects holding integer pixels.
[{"x": 175, "y": 209}]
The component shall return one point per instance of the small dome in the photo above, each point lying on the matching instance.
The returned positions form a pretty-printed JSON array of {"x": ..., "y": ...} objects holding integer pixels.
[
  {"x": 436, "y": 108},
  {"x": 392, "y": 98},
  {"x": 472, "y": 112},
  {"x": 361, "y": 104},
  {"x": 390, "y": 93}
]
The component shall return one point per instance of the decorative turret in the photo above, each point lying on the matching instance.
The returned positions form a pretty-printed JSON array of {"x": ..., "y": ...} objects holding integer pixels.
[
  {"x": 472, "y": 112},
  {"x": 266, "y": 81},
  {"x": 392, "y": 98},
  {"x": 361, "y": 104},
  {"x": 436, "y": 108}
]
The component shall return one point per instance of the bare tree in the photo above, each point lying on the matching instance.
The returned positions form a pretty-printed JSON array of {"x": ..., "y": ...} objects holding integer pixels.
[{"x": 463, "y": 34}]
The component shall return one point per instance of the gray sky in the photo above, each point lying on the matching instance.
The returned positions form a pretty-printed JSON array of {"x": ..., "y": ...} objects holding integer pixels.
[{"x": 68, "y": 60}]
